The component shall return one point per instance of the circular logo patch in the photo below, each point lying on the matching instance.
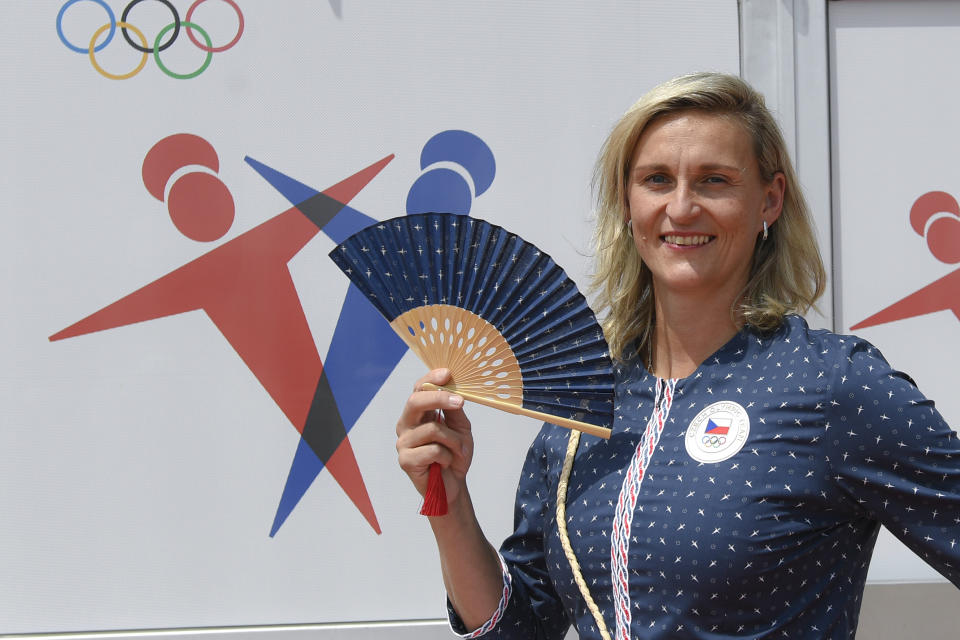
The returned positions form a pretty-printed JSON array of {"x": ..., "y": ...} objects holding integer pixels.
[{"x": 718, "y": 432}]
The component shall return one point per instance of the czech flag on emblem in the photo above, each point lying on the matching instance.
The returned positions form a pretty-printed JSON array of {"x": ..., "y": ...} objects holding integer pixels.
[{"x": 713, "y": 428}]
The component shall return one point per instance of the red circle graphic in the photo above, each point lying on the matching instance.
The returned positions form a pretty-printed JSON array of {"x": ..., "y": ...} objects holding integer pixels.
[{"x": 201, "y": 206}]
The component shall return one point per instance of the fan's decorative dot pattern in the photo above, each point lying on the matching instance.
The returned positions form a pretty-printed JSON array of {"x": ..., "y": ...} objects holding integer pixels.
[{"x": 528, "y": 307}]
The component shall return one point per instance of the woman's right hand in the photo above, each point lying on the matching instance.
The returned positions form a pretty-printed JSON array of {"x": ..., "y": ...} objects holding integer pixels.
[{"x": 434, "y": 428}]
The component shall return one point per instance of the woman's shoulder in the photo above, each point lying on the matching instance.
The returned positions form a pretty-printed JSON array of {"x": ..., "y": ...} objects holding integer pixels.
[
  {"x": 841, "y": 358},
  {"x": 795, "y": 334}
]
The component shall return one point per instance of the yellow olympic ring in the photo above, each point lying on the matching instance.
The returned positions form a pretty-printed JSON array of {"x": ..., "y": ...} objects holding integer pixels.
[{"x": 104, "y": 72}]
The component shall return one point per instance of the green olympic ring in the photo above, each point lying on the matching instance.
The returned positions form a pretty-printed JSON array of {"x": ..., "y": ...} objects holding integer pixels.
[{"x": 183, "y": 76}]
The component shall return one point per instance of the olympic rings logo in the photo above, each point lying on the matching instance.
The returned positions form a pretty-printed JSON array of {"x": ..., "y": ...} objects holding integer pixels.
[
  {"x": 713, "y": 442},
  {"x": 143, "y": 47}
]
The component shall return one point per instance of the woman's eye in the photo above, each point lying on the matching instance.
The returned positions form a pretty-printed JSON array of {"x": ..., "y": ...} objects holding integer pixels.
[
  {"x": 716, "y": 180},
  {"x": 657, "y": 179}
]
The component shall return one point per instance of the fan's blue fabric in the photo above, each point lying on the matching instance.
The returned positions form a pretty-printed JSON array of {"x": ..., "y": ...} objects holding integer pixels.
[{"x": 440, "y": 258}]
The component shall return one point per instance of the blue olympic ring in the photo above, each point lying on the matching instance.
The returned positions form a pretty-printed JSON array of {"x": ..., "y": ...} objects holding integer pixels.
[{"x": 73, "y": 47}]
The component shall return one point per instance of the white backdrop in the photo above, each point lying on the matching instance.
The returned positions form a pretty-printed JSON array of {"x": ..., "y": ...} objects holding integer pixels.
[
  {"x": 895, "y": 132},
  {"x": 140, "y": 467}
]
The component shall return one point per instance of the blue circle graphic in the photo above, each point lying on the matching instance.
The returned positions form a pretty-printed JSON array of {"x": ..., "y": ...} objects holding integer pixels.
[{"x": 465, "y": 149}]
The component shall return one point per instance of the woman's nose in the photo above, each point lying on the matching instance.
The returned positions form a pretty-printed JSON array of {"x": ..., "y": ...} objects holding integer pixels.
[{"x": 682, "y": 205}]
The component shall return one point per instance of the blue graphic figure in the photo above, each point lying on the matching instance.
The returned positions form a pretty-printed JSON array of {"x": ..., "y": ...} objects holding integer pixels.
[{"x": 364, "y": 349}]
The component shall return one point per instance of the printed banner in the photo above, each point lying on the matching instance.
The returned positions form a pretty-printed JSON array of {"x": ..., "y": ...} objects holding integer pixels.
[{"x": 199, "y": 408}]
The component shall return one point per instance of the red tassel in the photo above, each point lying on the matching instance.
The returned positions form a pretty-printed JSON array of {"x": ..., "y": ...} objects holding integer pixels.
[{"x": 435, "y": 500}]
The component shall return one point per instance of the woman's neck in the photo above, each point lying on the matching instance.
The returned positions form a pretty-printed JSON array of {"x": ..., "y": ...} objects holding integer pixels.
[{"x": 687, "y": 331}]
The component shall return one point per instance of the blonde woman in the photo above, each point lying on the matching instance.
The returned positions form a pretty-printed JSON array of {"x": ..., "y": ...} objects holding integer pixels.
[{"x": 752, "y": 460}]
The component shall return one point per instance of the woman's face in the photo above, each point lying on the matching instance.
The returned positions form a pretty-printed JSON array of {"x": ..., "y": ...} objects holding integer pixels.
[{"x": 697, "y": 203}]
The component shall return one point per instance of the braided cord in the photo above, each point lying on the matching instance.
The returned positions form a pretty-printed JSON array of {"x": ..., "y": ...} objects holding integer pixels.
[
  {"x": 627, "y": 502},
  {"x": 572, "y": 444}
]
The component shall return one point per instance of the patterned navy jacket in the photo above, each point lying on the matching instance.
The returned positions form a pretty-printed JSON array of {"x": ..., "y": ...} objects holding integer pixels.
[{"x": 740, "y": 502}]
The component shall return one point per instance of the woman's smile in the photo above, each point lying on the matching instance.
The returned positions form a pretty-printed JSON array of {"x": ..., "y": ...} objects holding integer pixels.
[{"x": 686, "y": 241}]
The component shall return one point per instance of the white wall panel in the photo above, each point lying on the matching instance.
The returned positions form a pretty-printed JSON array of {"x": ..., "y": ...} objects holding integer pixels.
[{"x": 894, "y": 129}]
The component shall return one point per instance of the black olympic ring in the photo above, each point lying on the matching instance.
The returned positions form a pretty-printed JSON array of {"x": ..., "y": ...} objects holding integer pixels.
[
  {"x": 163, "y": 47},
  {"x": 713, "y": 441}
]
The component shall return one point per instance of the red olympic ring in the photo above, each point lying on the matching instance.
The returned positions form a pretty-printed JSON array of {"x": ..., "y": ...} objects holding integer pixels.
[{"x": 204, "y": 47}]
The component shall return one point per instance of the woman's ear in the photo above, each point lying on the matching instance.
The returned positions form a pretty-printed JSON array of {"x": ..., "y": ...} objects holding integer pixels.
[{"x": 773, "y": 198}]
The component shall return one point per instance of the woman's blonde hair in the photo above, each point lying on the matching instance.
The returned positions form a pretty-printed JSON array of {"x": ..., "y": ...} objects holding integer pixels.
[{"x": 786, "y": 274}]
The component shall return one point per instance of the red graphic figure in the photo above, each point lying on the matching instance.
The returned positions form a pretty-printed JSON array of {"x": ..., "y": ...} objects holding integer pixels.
[
  {"x": 936, "y": 216},
  {"x": 245, "y": 288}
]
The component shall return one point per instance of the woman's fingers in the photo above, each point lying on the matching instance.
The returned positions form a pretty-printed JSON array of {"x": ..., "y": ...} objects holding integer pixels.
[
  {"x": 433, "y": 433},
  {"x": 437, "y": 377},
  {"x": 418, "y": 460},
  {"x": 422, "y": 406},
  {"x": 433, "y": 442},
  {"x": 433, "y": 428}
]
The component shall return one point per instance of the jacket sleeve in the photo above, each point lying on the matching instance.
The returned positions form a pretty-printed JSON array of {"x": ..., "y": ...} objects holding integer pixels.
[
  {"x": 895, "y": 457},
  {"x": 530, "y": 608}
]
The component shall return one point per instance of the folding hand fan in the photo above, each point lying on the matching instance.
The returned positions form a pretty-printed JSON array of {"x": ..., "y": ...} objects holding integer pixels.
[{"x": 510, "y": 325}]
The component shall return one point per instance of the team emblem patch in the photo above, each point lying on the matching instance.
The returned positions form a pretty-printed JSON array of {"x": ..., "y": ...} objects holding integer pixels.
[{"x": 718, "y": 432}]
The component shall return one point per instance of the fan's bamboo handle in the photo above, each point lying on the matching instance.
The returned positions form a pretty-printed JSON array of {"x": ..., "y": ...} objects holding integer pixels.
[{"x": 585, "y": 427}]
